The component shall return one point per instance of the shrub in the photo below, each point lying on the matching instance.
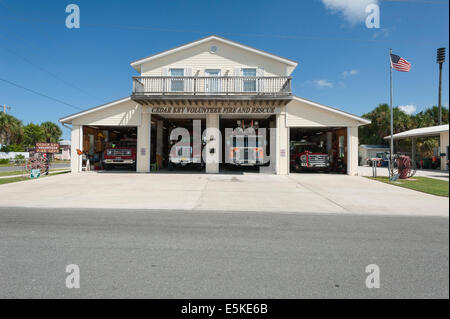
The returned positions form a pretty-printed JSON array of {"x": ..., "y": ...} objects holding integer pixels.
[
  {"x": 19, "y": 159},
  {"x": 4, "y": 161}
]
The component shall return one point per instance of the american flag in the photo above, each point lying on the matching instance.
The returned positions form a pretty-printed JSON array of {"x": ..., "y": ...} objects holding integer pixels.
[{"x": 400, "y": 64}]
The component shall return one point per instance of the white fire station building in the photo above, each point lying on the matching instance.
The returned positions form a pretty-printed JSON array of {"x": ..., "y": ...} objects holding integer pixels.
[{"x": 222, "y": 84}]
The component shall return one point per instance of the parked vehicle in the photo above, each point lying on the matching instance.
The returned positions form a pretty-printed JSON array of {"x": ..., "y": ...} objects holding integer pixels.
[
  {"x": 181, "y": 155},
  {"x": 121, "y": 154},
  {"x": 384, "y": 156},
  {"x": 309, "y": 156},
  {"x": 246, "y": 145}
]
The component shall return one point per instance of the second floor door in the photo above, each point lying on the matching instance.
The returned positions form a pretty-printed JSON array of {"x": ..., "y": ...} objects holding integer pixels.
[{"x": 212, "y": 81}]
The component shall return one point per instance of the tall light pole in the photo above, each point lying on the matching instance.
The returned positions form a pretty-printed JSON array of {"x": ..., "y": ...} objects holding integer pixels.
[{"x": 440, "y": 60}]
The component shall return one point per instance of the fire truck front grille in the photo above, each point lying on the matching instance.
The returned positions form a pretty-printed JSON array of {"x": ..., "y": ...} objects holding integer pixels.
[
  {"x": 246, "y": 155},
  {"x": 318, "y": 159},
  {"x": 119, "y": 152}
]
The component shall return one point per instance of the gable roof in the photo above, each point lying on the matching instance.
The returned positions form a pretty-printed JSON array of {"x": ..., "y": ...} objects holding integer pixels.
[
  {"x": 137, "y": 64},
  {"x": 362, "y": 120},
  {"x": 69, "y": 118}
]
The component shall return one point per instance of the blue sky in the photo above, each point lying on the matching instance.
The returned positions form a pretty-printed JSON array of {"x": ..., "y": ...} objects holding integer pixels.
[{"x": 341, "y": 62}]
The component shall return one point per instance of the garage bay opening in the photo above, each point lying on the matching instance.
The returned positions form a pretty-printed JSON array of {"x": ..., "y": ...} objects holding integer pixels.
[
  {"x": 109, "y": 148},
  {"x": 246, "y": 144},
  {"x": 318, "y": 150}
]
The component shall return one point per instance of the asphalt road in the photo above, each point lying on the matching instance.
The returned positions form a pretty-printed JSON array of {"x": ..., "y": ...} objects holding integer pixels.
[
  {"x": 172, "y": 254},
  {"x": 15, "y": 168}
]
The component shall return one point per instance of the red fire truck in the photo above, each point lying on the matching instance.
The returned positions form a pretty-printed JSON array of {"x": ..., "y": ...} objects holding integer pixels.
[
  {"x": 309, "y": 156},
  {"x": 121, "y": 154}
]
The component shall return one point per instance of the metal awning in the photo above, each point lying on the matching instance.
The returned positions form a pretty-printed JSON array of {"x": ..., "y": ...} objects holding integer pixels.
[{"x": 421, "y": 132}]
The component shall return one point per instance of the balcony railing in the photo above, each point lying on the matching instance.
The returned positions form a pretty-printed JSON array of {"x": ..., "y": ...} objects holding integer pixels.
[{"x": 211, "y": 86}]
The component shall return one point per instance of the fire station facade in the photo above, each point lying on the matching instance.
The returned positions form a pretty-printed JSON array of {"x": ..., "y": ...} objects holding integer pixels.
[{"x": 221, "y": 84}]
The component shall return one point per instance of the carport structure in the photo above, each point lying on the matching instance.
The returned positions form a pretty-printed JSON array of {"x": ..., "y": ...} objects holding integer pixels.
[{"x": 441, "y": 131}]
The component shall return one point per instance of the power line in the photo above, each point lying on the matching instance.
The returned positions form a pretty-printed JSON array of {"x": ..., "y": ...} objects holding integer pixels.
[
  {"x": 41, "y": 94},
  {"x": 248, "y": 35},
  {"x": 46, "y": 71},
  {"x": 160, "y": 29}
]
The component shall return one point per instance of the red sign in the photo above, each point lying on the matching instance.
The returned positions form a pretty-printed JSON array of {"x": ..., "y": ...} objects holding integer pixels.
[{"x": 47, "y": 148}]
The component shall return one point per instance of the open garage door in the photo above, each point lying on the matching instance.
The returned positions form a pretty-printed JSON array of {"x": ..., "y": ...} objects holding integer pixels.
[
  {"x": 109, "y": 148},
  {"x": 173, "y": 147},
  {"x": 246, "y": 142},
  {"x": 318, "y": 150}
]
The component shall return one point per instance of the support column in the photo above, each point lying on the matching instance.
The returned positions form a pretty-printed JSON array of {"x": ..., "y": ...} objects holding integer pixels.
[
  {"x": 159, "y": 142},
  {"x": 212, "y": 148},
  {"x": 77, "y": 143},
  {"x": 282, "y": 143},
  {"x": 143, "y": 142},
  {"x": 352, "y": 151},
  {"x": 413, "y": 151},
  {"x": 444, "y": 136},
  {"x": 273, "y": 146}
]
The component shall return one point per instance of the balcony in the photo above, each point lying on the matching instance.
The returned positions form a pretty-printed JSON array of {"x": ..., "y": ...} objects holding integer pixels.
[{"x": 147, "y": 88}]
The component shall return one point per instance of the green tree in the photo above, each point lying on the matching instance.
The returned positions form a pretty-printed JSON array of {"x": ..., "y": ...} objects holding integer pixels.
[
  {"x": 375, "y": 132},
  {"x": 32, "y": 134},
  {"x": 52, "y": 132},
  {"x": 11, "y": 129},
  {"x": 12, "y": 148},
  {"x": 379, "y": 128},
  {"x": 430, "y": 117}
]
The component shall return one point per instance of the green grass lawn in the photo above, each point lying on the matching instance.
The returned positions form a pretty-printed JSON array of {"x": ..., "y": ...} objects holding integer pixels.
[
  {"x": 60, "y": 162},
  {"x": 12, "y": 173},
  {"x": 419, "y": 183},
  {"x": 26, "y": 177},
  {"x": 12, "y": 180}
]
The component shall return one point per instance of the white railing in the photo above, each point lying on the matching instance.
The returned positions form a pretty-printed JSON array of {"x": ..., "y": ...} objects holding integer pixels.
[{"x": 214, "y": 85}]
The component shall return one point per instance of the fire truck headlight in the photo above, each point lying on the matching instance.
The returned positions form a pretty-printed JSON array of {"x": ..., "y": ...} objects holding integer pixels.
[{"x": 303, "y": 158}]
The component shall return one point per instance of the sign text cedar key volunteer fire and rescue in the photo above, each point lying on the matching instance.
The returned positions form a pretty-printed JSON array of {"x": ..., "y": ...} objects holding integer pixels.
[{"x": 211, "y": 110}]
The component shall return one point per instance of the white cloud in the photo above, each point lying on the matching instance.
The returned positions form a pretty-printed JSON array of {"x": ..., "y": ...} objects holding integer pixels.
[
  {"x": 349, "y": 73},
  {"x": 323, "y": 84},
  {"x": 354, "y": 11},
  {"x": 408, "y": 109}
]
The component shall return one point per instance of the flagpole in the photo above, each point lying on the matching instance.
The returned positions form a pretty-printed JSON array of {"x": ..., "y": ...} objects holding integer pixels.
[{"x": 391, "y": 166}]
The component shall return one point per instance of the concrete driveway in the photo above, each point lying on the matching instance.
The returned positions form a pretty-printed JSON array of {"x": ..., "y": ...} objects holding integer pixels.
[{"x": 296, "y": 193}]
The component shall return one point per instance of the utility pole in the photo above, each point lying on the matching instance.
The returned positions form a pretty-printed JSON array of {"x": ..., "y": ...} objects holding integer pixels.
[
  {"x": 6, "y": 108},
  {"x": 440, "y": 60}
]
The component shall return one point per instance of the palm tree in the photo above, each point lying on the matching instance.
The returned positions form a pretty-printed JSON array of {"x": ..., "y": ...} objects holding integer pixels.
[
  {"x": 10, "y": 129},
  {"x": 52, "y": 132}
]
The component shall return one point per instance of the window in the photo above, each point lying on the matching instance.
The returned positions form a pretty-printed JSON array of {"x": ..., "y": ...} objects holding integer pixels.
[
  {"x": 249, "y": 83},
  {"x": 177, "y": 84}
]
